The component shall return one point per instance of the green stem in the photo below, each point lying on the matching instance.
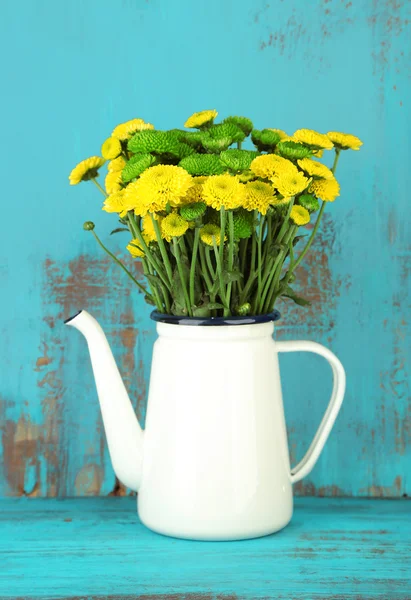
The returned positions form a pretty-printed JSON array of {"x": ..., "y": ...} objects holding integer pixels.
[
  {"x": 209, "y": 262},
  {"x": 239, "y": 144},
  {"x": 146, "y": 270},
  {"x": 155, "y": 290},
  {"x": 230, "y": 252},
  {"x": 163, "y": 249},
  {"x": 102, "y": 190},
  {"x": 312, "y": 236},
  {"x": 204, "y": 270},
  {"x": 277, "y": 272},
  {"x": 336, "y": 157},
  {"x": 177, "y": 254},
  {"x": 150, "y": 257},
  {"x": 259, "y": 262},
  {"x": 220, "y": 275},
  {"x": 138, "y": 284},
  {"x": 193, "y": 264}
]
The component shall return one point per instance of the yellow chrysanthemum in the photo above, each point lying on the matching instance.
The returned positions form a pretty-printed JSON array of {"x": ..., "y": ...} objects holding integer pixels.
[
  {"x": 200, "y": 118},
  {"x": 315, "y": 168},
  {"x": 223, "y": 190},
  {"x": 116, "y": 203},
  {"x": 195, "y": 192},
  {"x": 158, "y": 186},
  {"x": 124, "y": 131},
  {"x": 257, "y": 196},
  {"x": 268, "y": 165},
  {"x": 345, "y": 141},
  {"x": 113, "y": 182},
  {"x": 290, "y": 183},
  {"x": 135, "y": 249},
  {"x": 86, "y": 169},
  {"x": 283, "y": 135},
  {"x": 318, "y": 153},
  {"x": 111, "y": 148},
  {"x": 211, "y": 233},
  {"x": 326, "y": 189},
  {"x": 148, "y": 228},
  {"x": 173, "y": 226},
  {"x": 309, "y": 137},
  {"x": 299, "y": 215},
  {"x": 117, "y": 164}
]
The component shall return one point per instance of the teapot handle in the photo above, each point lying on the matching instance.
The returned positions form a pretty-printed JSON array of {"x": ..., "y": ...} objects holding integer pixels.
[{"x": 307, "y": 463}]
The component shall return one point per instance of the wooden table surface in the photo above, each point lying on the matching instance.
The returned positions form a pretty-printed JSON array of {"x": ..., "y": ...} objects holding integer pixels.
[{"x": 96, "y": 548}]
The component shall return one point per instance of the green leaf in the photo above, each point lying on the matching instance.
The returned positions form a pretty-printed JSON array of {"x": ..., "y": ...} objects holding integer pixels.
[
  {"x": 118, "y": 230},
  {"x": 215, "y": 305},
  {"x": 202, "y": 311},
  {"x": 230, "y": 276},
  {"x": 289, "y": 293}
]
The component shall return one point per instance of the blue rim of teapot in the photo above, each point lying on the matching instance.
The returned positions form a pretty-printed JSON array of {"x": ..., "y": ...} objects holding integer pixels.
[{"x": 209, "y": 321}]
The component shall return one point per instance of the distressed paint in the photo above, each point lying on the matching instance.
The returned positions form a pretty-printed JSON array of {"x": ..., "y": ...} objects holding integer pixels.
[
  {"x": 339, "y": 65},
  {"x": 96, "y": 548}
]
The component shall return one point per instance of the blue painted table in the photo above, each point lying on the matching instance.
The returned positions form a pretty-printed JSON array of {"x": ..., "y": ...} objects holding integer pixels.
[{"x": 96, "y": 548}]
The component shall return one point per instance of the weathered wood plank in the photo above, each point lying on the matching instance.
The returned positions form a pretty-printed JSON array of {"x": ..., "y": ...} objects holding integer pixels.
[{"x": 97, "y": 548}]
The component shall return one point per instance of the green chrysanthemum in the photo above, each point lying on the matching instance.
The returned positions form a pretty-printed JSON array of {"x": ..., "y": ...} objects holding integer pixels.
[
  {"x": 216, "y": 145},
  {"x": 203, "y": 164},
  {"x": 226, "y": 130},
  {"x": 136, "y": 165},
  {"x": 244, "y": 309},
  {"x": 159, "y": 142},
  {"x": 309, "y": 202},
  {"x": 191, "y": 212},
  {"x": 242, "y": 122},
  {"x": 243, "y": 224},
  {"x": 238, "y": 160},
  {"x": 192, "y": 138},
  {"x": 293, "y": 150},
  {"x": 265, "y": 139}
]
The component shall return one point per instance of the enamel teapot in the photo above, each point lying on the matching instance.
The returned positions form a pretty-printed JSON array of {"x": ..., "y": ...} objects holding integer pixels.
[{"x": 212, "y": 462}]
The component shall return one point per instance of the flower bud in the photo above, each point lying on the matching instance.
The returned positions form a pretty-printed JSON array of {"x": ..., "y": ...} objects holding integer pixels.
[{"x": 88, "y": 226}]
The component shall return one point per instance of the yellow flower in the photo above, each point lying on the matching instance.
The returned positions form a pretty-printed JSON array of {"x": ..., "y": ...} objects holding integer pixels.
[
  {"x": 211, "y": 233},
  {"x": 309, "y": 137},
  {"x": 111, "y": 148},
  {"x": 290, "y": 183},
  {"x": 299, "y": 215},
  {"x": 223, "y": 190},
  {"x": 173, "y": 226},
  {"x": 117, "y": 164},
  {"x": 195, "y": 192},
  {"x": 318, "y": 153},
  {"x": 283, "y": 135},
  {"x": 326, "y": 189},
  {"x": 86, "y": 169},
  {"x": 345, "y": 141},
  {"x": 268, "y": 165},
  {"x": 158, "y": 186},
  {"x": 135, "y": 249},
  {"x": 315, "y": 168},
  {"x": 201, "y": 118},
  {"x": 257, "y": 196},
  {"x": 126, "y": 130},
  {"x": 116, "y": 203},
  {"x": 113, "y": 182},
  {"x": 148, "y": 228}
]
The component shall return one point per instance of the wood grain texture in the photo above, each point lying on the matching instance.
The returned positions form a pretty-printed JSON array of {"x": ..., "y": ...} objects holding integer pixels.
[
  {"x": 73, "y": 70},
  {"x": 96, "y": 548}
]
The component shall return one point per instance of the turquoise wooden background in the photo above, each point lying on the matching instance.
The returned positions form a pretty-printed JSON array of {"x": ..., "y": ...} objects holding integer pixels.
[{"x": 70, "y": 72}]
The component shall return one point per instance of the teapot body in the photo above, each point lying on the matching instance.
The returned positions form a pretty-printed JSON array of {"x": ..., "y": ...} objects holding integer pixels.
[{"x": 215, "y": 458}]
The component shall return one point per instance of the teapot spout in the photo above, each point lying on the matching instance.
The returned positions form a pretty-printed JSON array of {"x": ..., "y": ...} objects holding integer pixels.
[{"x": 123, "y": 431}]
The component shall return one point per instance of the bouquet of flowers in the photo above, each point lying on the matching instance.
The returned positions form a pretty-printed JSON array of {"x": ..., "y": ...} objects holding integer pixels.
[{"x": 216, "y": 227}]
